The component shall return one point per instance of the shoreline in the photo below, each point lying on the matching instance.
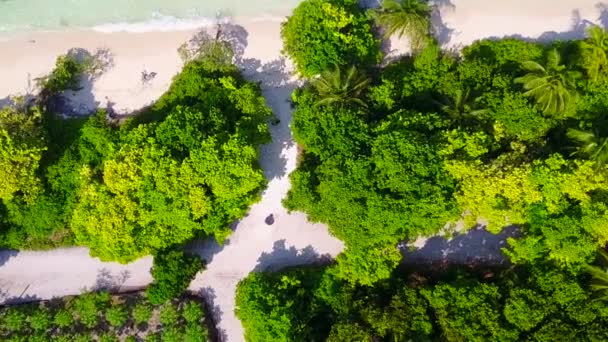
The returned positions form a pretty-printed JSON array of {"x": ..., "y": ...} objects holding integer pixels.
[{"x": 30, "y": 55}]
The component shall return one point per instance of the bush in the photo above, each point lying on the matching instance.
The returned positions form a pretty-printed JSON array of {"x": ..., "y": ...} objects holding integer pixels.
[
  {"x": 108, "y": 337},
  {"x": 172, "y": 334},
  {"x": 172, "y": 272},
  {"x": 195, "y": 333},
  {"x": 180, "y": 320},
  {"x": 142, "y": 312},
  {"x": 152, "y": 338},
  {"x": 324, "y": 33},
  {"x": 168, "y": 315},
  {"x": 192, "y": 312},
  {"x": 63, "y": 318},
  {"x": 40, "y": 337},
  {"x": 86, "y": 308},
  {"x": 13, "y": 320},
  {"x": 117, "y": 316},
  {"x": 40, "y": 319},
  {"x": 82, "y": 338}
]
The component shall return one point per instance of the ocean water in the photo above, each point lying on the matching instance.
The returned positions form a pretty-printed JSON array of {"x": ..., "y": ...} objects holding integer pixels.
[{"x": 130, "y": 15}]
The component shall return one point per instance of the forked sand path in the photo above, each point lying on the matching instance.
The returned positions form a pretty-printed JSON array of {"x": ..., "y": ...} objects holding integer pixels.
[
  {"x": 257, "y": 243},
  {"x": 254, "y": 245}
]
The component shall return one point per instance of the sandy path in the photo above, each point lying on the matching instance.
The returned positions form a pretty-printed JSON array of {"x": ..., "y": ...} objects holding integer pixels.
[{"x": 254, "y": 245}]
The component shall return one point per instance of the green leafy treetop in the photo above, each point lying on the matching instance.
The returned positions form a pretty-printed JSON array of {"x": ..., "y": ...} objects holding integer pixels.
[
  {"x": 324, "y": 33},
  {"x": 172, "y": 272},
  {"x": 22, "y": 143},
  {"x": 186, "y": 168}
]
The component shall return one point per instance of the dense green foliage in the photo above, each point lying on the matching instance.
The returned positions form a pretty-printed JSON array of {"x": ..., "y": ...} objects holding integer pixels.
[
  {"x": 321, "y": 34},
  {"x": 172, "y": 272},
  {"x": 101, "y": 317},
  {"x": 539, "y": 303},
  {"x": 187, "y": 167},
  {"x": 508, "y": 133},
  {"x": 22, "y": 143}
]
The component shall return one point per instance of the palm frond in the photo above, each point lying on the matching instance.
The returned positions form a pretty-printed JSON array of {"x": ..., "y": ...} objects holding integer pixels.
[
  {"x": 336, "y": 86},
  {"x": 551, "y": 86},
  {"x": 533, "y": 67},
  {"x": 404, "y": 18}
]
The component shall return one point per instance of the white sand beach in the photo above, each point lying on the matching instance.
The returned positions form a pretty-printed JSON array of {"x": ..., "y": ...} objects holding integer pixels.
[{"x": 254, "y": 245}]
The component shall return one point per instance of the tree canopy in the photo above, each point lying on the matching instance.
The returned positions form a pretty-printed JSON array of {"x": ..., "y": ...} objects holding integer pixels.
[
  {"x": 509, "y": 133},
  {"x": 537, "y": 303},
  {"x": 320, "y": 34},
  {"x": 185, "y": 168}
]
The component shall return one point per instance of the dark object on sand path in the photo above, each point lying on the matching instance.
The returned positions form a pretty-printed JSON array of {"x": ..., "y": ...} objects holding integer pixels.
[
  {"x": 147, "y": 77},
  {"x": 269, "y": 220}
]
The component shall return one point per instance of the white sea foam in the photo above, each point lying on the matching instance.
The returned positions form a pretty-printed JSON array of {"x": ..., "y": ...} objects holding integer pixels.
[
  {"x": 130, "y": 15},
  {"x": 159, "y": 23}
]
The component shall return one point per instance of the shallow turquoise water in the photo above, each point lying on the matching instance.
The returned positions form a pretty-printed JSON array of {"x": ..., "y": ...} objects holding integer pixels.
[{"x": 130, "y": 15}]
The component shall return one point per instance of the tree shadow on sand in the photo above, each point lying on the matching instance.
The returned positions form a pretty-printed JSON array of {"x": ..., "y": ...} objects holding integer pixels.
[
  {"x": 210, "y": 298},
  {"x": 82, "y": 101},
  {"x": 6, "y": 254},
  {"x": 5, "y": 299},
  {"x": 475, "y": 246},
  {"x": 281, "y": 257},
  {"x": 602, "y": 7},
  {"x": 275, "y": 80},
  {"x": 205, "y": 248},
  {"x": 112, "y": 283},
  {"x": 440, "y": 30},
  {"x": 578, "y": 29},
  {"x": 19, "y": 99}
]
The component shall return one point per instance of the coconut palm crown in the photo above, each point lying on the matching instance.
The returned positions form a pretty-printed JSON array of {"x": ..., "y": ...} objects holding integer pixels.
[
  {"x": 590, "y": 145},
  {"x": 599, "y": 283},
  {"x": 461, "y": 105},
  {"x": 594, "y": 52},
  {"x": 344, "y": 87},
  {"x": 409, "y": 18},
  {"x": 552, "y": 86}
]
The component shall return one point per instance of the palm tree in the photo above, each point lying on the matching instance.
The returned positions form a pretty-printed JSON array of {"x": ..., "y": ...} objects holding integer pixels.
[
  {"x": 594, "y": 52},
  {"x": 409, "y": 18},
  {"x": 336, "y": 86},
  {"x": 591, "y": 145},
  {"x": 461, "y": 105},
  {"x": 599, "y": 283},
  {"x": 552, "y": 86}
]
